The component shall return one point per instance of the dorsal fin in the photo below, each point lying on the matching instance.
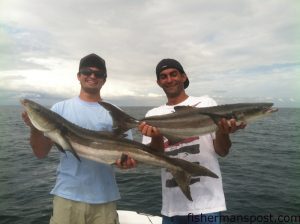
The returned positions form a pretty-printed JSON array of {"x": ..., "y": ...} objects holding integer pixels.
[
  {"x": 181, "y": 108},
  {"x": 122, "y": 122},
  {"x": 178, "y": 108}
]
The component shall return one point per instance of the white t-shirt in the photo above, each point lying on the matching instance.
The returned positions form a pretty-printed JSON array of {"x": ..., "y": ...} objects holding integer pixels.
[{"x": 207, "y": 193}]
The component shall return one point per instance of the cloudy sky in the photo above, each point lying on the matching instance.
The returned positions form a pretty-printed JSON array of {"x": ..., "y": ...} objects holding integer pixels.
[{"x": 231, "y": 50}]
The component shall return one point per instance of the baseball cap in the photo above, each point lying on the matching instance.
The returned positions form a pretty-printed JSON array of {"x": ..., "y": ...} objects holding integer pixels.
[
  {"x": 92, "y": 60},
  {"x": 171, "y": 63}
]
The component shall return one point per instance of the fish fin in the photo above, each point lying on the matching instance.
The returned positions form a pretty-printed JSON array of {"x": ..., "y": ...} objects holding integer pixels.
[
  {"x": 196, "y": 104},
  {"x": 64, "y": 151},
  {"x": 217, "y": 117},
  {"x": 181, "y": 108},
  {"x": 178, "y": 108},
  {"x": 60, "y": 148},
  {"x": 75, "y": 154},
  {"x": 122, "y": 122},
  {"x": 183, "y": 179},
  {"x": 72, "y": 150},
  {"x": 63, "y": 132},
  {"x": 109, "y": 134},
  {"x": 122, "y": 135},
  {"x": 194, "y": 169}
]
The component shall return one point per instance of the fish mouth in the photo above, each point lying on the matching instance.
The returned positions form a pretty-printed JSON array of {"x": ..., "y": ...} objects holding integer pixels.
[
  {"x": 270, "y": 110},
  {"x": 23, "y": 101}
]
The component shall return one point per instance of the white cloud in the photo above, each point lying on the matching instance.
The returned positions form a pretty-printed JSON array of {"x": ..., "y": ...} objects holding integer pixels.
[{"x": 228, "y": 48}]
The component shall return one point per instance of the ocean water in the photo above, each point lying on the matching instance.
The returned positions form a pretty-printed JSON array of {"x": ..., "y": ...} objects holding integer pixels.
[{"x": 261, "y": 175}]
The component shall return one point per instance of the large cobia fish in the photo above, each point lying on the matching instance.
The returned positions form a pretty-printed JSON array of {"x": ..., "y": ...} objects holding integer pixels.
[
  {"x": 106, "y": 147},
  {"x": 187, "y": 121}
]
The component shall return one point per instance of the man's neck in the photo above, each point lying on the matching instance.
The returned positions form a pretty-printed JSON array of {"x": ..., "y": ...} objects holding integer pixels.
[
  {"x": 177, "y": 100},
  {"x": 90, "y": 97}
]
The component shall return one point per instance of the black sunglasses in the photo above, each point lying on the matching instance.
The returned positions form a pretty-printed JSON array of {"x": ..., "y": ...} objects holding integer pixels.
[{"x": 88, "y": 72}]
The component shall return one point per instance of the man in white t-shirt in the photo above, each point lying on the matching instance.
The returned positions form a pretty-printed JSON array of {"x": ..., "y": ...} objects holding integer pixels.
[{"x": 207, "y": 193}]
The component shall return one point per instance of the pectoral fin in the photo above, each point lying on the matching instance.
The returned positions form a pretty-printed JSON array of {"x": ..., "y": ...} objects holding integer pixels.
[
  {"x": 65, "y": 143},
  {"x": 66, "y": 146},
  {"x": 60, "y": 148},
  {"x": 217, "y": 117},
  {"x": 70, "y": 148}
]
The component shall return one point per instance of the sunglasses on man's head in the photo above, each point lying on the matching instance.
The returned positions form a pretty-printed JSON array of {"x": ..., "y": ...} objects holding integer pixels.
[{"x": 88, "y": 72}]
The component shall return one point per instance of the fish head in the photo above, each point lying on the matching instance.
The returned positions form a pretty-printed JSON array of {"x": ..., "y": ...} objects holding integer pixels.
[
  {"x": 252, "y": 111},
  {"x": 39, "y": 116}
]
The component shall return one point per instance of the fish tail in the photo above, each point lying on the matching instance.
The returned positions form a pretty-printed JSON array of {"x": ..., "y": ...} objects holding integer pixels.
[
  {"x": 188, "y": 169},
  {"x": 122, "y": 122},
  {"x": 183, "y": 179},
  {"x": 194, "y": 169}
]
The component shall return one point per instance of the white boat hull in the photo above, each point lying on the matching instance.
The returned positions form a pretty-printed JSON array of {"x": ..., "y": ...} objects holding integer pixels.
[{"x": 132, "y": 217}]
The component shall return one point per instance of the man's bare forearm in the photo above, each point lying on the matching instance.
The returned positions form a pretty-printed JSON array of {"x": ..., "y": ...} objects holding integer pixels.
[
  {"x": 40, "y": 144},
  {"x": 157, "y": 143},
  {"x": 222, "y": 143}
]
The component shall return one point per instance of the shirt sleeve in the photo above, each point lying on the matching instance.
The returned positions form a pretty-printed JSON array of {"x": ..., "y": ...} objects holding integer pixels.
[{"x": 57, "y": 108}]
